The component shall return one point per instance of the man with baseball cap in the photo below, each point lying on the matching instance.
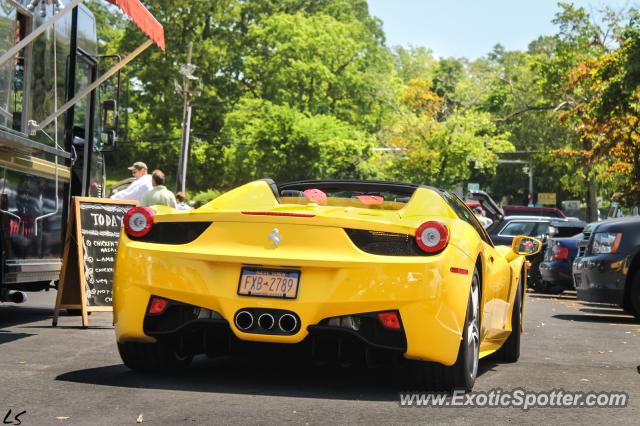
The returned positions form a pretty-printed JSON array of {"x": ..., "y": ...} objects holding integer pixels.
[{"x": 138, "y": 187}]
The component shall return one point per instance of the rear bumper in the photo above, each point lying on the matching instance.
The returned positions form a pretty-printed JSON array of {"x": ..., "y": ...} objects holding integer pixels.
[
  {"x": 199, "y": 330},
  {"x": 601, "y": 278},
  {"x": 557, "y": 272},
  {"x": 430, "y": 299}
]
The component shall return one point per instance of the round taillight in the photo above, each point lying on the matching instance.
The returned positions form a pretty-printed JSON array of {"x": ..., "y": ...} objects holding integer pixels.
[
  {"x": 138, "y": 221},
  {"x": 432, "y": 237}
]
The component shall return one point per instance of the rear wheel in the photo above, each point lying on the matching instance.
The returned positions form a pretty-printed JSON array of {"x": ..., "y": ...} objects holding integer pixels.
[
  {"x": 510, "y": 350},
  {"x": 159, "y": 356},
  {"x": 461, "y": 375}
]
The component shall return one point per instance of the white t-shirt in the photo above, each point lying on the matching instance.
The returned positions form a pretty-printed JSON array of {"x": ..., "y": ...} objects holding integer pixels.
[
  {"x": 486, "y": 222},
  {"x": 136, "y": 190}
]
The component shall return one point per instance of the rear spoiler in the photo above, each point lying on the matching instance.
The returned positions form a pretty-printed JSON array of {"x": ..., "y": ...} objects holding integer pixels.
[{"x": 493, "y": 211}]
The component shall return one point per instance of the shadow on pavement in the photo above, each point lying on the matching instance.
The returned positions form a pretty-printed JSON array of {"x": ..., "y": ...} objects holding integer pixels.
[
  {"x": 72, "y": 327},
  {"x": 597, "y": 305},
  {"x": 610, "y": 319},
  {"x": 226, "y": 375},
  {"x": 7, "y": 336},
  {"x": 552, "y": 296},
  {"x": 604, "y": 311},
  {"x": 11, "y": 315}
]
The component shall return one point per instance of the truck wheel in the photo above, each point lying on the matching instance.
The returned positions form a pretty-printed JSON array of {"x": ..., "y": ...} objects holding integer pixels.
[
  {"x": 462, "y": 374},
  {"x": 510, "y": 350},
  {"x": 159, "y": 356}
]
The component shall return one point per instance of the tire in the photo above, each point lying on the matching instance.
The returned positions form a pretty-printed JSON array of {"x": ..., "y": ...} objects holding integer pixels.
[
  {"x": 510, "y": 350},
  {"x": 534, "y": 278},
  {"x": 548, "y": 288},
  {"x": 462, "y": 374},
  {"x": 159, "y": 356},
  {"x": 634, "y": 295}
]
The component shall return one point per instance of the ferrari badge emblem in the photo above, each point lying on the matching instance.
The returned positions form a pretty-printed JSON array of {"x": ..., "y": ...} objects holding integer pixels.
[{"x": 275, "y": 237}]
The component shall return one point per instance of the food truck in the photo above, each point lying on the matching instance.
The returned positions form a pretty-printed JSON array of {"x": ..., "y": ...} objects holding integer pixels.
[{"x": 55, "y": 125}]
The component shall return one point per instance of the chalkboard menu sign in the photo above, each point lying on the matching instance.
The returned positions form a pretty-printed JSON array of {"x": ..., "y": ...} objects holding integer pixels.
[
  {"x": 86, "y": 278},
  {"x": 100, "y": 226}
]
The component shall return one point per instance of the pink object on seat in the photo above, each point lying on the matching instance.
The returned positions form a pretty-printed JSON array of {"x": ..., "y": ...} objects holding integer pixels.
[
  {"x": 371, "y": 200},
  {"x": 316, "y": 196}
]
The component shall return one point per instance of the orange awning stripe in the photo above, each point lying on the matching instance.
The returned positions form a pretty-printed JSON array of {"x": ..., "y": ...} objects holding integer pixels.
[{"x": 143, "y": 19}]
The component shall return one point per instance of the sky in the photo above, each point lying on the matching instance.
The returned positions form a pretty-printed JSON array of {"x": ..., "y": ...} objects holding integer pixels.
[{"x": 471, "y": 28}]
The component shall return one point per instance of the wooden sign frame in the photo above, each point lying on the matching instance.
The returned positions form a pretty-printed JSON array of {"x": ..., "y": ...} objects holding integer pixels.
[{"x": 69, "y": 296}]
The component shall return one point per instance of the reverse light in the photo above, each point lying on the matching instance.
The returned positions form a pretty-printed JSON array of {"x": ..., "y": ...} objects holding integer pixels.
[
  {"x": 432, "y": 237},
  {"x": 157, "y": 306},
  {"x": 389, "y": 320},
  {"x": 560, "y": 252},
  {"x": 138, "y": 221}
]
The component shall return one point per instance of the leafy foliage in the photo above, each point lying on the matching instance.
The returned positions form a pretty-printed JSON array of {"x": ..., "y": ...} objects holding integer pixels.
[
  {"x": 298, "y": 89},
  {"x": 280, "y": 142}
]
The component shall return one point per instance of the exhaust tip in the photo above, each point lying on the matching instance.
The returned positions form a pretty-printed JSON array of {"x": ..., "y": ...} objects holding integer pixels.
[
  {"x": 244, "y": 320},
  {"x": 266, "y": 321},
  {"x": 287, "y": 323}
]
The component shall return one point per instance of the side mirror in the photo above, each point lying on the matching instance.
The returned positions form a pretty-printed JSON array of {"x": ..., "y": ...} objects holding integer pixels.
[
  {"x": 526, "y": 246},
  {"x": 109, "y": 119},
  {"x": 107, "y": 140}
]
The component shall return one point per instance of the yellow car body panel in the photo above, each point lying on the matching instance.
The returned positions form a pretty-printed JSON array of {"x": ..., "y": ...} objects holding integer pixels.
[{"x": 336, "y": 277}]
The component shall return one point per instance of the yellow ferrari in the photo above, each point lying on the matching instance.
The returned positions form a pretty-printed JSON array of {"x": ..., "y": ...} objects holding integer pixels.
[{"x": 340, "y": 271}]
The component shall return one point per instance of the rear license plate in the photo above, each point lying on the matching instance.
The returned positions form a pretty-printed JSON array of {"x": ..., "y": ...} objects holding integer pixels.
[{"x": 269, "y": 283}]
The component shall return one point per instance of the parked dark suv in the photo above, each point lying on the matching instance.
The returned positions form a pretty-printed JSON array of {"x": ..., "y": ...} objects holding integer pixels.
[{"x": 607, "y": 268}]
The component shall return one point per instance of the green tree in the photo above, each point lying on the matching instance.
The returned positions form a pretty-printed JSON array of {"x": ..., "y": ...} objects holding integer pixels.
[
  {"x": 328, "y": 60},
  {"x": 279, "y": 142},
  {"x": 319, "y": 65},
  {"x": 579, "y": 39},
  {"x": 440, "y": 147}
]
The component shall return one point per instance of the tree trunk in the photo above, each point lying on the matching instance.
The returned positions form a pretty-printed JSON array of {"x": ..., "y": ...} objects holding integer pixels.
[{"x": 592, "y": 202}]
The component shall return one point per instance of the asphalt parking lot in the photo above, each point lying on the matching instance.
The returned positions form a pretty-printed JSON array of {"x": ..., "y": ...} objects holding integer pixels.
[{"x": 71, "y": 376}]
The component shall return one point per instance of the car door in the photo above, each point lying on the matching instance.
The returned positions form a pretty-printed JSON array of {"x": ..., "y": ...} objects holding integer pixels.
[
  {"x": 496, "y": 273},
  {"x": 497, "y": 287}
]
